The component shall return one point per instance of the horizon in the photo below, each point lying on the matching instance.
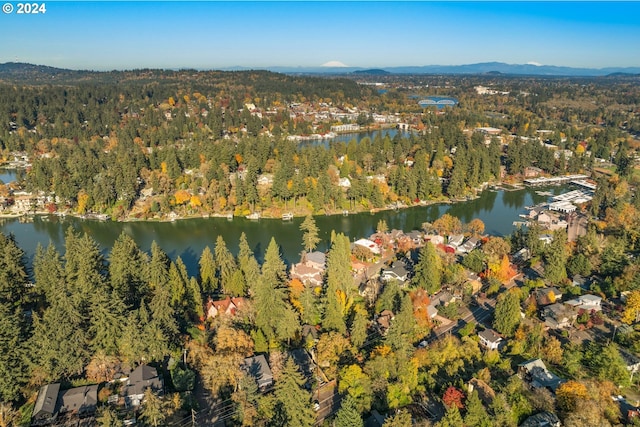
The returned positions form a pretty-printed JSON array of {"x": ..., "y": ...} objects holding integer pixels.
[{"x": 122, "y": 35}]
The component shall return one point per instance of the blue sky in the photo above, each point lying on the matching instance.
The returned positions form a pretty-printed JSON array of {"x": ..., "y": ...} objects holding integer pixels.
[{"x": 206, "y": 35}]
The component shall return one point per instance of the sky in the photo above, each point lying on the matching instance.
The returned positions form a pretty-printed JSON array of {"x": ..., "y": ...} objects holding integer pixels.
[{"x": 216, "y": 35}]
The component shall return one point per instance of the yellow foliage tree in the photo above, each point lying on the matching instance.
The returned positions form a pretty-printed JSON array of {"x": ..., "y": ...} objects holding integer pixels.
[
  {"x": 632, "y": 308},
  {"x": 195, "y": 201},
  {"x": 182, "y": 197},
  {"x": 83, "y": 198},
  {"x": 570, "y": 393}
]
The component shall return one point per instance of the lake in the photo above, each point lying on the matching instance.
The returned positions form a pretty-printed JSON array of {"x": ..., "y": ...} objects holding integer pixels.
[{"x": 187, "y": 238}]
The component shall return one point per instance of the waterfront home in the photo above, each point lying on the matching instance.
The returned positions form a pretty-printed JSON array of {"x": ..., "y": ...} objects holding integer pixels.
[
  {"x": 368, "y": 244},
  {"x": 469, "y": 245},
  {"x": 455, "y": 240}
]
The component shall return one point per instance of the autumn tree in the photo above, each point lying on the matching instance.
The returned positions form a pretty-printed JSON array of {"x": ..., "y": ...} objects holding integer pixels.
[
  {"x": 631, "y": 311},
  {"x": 447, "y": 224},
  {"x": 569, "y": 394},
  {"x": 475, "y": 227}
]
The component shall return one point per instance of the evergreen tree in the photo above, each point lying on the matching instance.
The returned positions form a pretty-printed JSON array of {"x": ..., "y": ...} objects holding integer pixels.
[
  {"x": 106, "y": 322},
  {"x": 294, "y": 401},
  {"x": 348, "y": 414},
  {"x": 49, "y": 272},
  {"x": 196, "y": 305},
  {"x": 153, "y": 411},
  {"x": 208, "y": 268},
  {"x": 310, "y": 309},
  {"x": 452, "y": 418},
  {"x": 507, "y": 313},
  {"x": 400, "y": 334},
  {"x": 225, "y": 262},
  {"x": 13, "y": 275},
  {"x": 339, "y": 284},
  {"x": 476, "y": 414},
  {"x": 359, "y": 327},
  {"x": 13, "y": 372},
  {"x": 128, "y": 271},
  {"x": 274, "y": 316},
  {"x": 428, "y": 271},
  {"x": 248, "y": 264},
  {"x": 310, "y": 231}
]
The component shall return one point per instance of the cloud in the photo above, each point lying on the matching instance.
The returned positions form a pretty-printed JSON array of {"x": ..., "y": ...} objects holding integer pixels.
[
  {"x": 537, "y": 64},
  {"x": 334, "y": 64}
]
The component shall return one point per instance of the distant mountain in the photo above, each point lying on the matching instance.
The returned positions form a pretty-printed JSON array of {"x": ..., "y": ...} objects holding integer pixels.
[
  {"x": 520, "y": 69},
  {"x": 38, "y": 74},
  {"x": 372, "y": 72}
]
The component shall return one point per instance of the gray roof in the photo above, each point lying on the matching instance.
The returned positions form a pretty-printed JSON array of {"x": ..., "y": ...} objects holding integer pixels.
[
  {"x": 45, "y": 406},
  {"x": 82, "y": 400},
  {"x": 542, "y": 419},
  {"x": 490, "y": 335},
  {"x": 141, "y": 378},
  {"x": 258, "y": 368},
  {"x": 317, "y": 257}
]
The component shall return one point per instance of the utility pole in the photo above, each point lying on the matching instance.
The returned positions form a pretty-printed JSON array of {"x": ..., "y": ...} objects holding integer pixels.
[{"x": 193, "y": 417}]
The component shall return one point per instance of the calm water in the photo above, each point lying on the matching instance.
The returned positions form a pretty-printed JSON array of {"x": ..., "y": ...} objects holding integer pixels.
[
  {"x": 7, "y": 175},
  {"x": 358, "y": 136},
  {"x": 188, "y": 238}
]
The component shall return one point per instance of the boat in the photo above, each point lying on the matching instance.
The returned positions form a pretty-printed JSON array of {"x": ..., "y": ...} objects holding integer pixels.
[
  {"x": 288, "y": 216},
  {"x": 230, "y": 216},
  {"x": 253, "y": 216},
  {"x": 345, "y": 212}
]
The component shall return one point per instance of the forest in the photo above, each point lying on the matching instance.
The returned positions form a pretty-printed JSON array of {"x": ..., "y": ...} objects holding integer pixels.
[{"x": 142, "y": 144}]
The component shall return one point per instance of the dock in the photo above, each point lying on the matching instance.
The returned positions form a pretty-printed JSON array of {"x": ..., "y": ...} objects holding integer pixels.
[{"x": 554, "y": 180}]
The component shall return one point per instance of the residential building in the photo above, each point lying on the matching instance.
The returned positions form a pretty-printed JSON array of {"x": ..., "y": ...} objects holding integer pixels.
[
  {"x": 542, "y": 419},
  {"x": 586, "y": 302},
  {"x": 535, "y": 372},
  {"x": 228, "y": 306},
  {"x": 142, "y": 378},
  {"x": 490, "y": 339},
  {"x": 558, "y": 315},
  {"x": 258, "y": 368},
  {"x": 53, "y": 404},
  {"x": 397, "y": 272}
]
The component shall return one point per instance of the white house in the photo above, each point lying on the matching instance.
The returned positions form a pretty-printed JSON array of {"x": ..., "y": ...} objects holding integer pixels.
[
  {"x": 587, "y": 302},
  {"x": 490, "y": 339},
  {"x": 366, "y": 243}
]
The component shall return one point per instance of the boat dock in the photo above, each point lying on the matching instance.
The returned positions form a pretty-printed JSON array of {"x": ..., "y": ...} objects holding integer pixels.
[{"x": 554, "y": 180}]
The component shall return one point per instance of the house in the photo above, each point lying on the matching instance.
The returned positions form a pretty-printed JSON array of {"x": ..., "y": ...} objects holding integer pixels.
[
  {"x": 265, "y": 179},
  {"x": 142, "y": 378},
  {"x": 586, "y": 302},
  {"x": 547, "y": 296},
  {"x": 45, "y": 409},
  {"x": 485, "y": 392},
  {"x": 397, "y": 272},
  {"x": 368, "y": 244},
  {"x": 310, "y": 270},
  {"x": 490, "y": 339},
  {"x": 228, "y": 307},
  {"x": 258, "y": 368},
  {"x": 316, "y": 259},
  {"x": 473, "y": 282},
  {"x": 51, "y": 403},
  {"x": 469, "y": 245},
  {"x": 435, "y": 239},
  {"x": 542, "y": 419},
  {"x": 456, "y": 240},
  {"x": 344, "y": 183},
  {"x": 383, "y": 321},
  {"x": 535, "y": 372},
  {"x": 631, "y": 361},
  {"x": 558, "y": 315},
  {"x": 416, "y": 237}
]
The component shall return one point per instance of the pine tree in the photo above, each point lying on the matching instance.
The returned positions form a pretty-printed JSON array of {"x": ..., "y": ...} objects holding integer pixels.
[
  {"x": 294, "y": 401},
  {"x": 153, "y": 411},
  {"x": 107, "y": 320},
  {"x": 428, "y": 271},
  {"x": 13, "y": 372},
  {"x": 348, "y": 414},
  {"x": 128, "y": 271},
  {"x": 359, "y": 326},
  {"x": 507, "y": 313},
  {"x": 49, "y": 272},
  {"x": 13, "y": 275},
  {"x": 339, "y": 285},
  {"x": 208, "y": 268},
  {"x": 310, "y": 309},
  {"x": 452, "y": 418},
  {"x": 310, "y": 237},
  {"x": 248, "y": 264},
  {"x": 225, "y": 262},
  {"x": 476, "y": 414}
]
